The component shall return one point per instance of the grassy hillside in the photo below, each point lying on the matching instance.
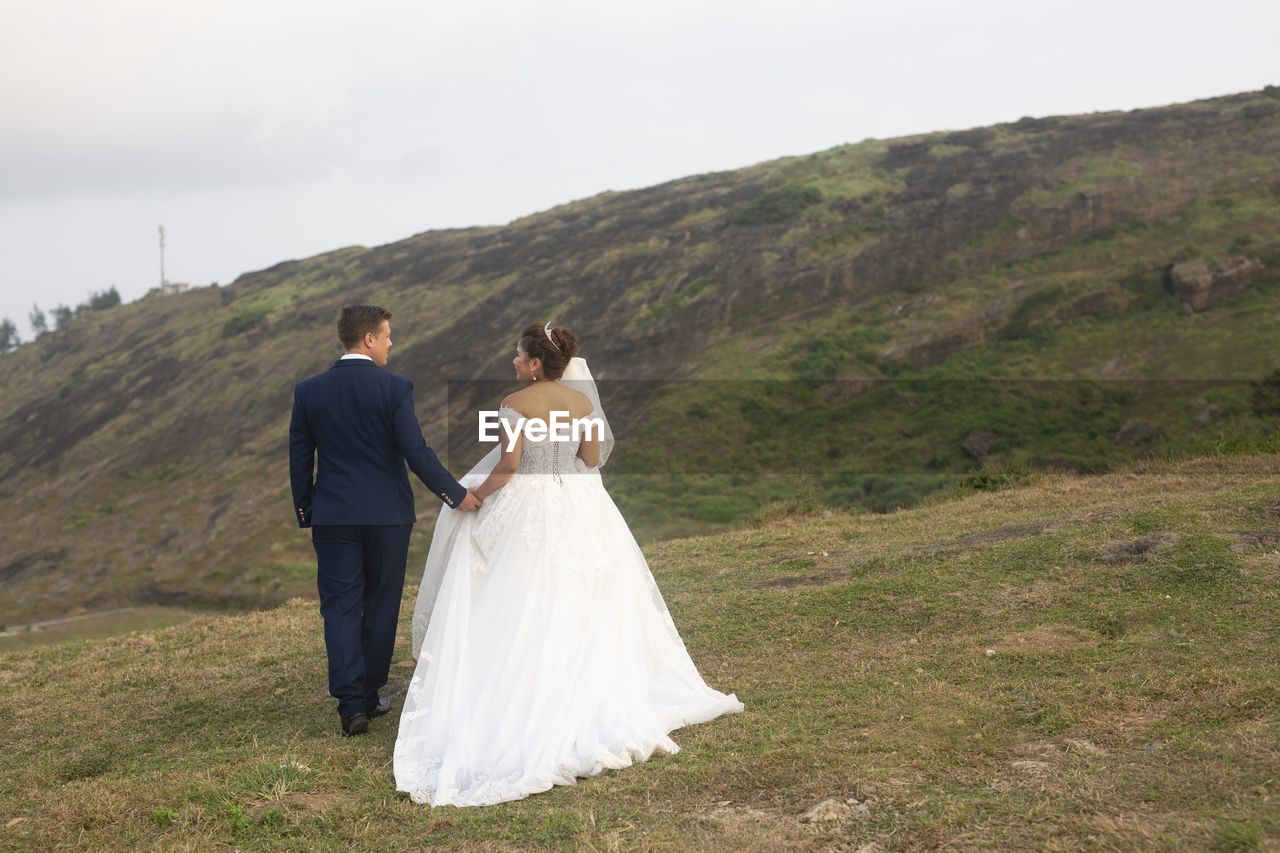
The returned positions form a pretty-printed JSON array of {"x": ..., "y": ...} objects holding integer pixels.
[
  {"x": 803, "y": 328},
  {"x": 1081, "y": 661}
]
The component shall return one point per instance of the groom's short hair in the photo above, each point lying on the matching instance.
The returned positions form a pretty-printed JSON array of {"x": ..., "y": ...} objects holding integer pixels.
[{"x": 355, "y": 321}]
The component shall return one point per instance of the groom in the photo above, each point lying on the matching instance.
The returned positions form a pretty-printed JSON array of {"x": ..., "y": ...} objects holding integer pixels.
[{"x": 356, "y": 422}]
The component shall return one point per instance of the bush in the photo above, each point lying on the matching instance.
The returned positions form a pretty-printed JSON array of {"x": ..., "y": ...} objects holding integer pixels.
[
  {"x": 1188, "y": 252},
  {"x": 9, "y": 339},
  {"x": 1264, "y": 398},
  {"x": 994, "y": 479},
  {"x": 881, "y": 492},
  {"x": 1231, "y": 444},
  {"x": 793, "y": 507},
  {"x": 244, "y": 321},
  {"x": 109, "y": 298},
  {"x": 802, "y": 501},
  {"x": 777, "y": 205}
]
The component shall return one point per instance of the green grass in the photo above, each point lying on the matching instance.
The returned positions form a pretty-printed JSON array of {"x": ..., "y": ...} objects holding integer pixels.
[
  {"x": 778, "y": 205},
  {"x": 693, "y": 291},
  {"x": 246, "y": 319},
  {"x": 993, "y": 669},
  {"x": 1093, "y": 173}
]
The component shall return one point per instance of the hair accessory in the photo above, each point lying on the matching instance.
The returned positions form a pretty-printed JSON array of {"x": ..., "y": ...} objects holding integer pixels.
[{"x": 547, "y": 329}]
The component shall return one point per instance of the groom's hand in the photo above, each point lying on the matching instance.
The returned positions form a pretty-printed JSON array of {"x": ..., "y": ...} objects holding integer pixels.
[{"x": 470, "y": 502}]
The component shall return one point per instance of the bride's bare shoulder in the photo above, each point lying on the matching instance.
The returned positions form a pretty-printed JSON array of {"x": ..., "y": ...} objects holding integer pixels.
[
  {"x": 515, "y": 399},
  {"x": 581, "y": 403}
]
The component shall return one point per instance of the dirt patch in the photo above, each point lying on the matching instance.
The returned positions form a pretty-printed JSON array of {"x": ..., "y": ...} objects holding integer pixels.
[
  {"x": 751, "y": 828},
  {"x": 832, "y": 570},
  {"x": 836, "y": 814},
  {"x": 833, "y": 812},
  {"x": 1082, "y": 746},
  {"x": 1031, "y": 764},
  {"x": 1046, "y": 638},
  {"x": 313, "y": 802},
  {"x": 1257, "y": 540},
  {"x": 983, "y": 537},
  {"x": 805, "y": 558},
  {"x": 1137, "y": 550},
  {"x": 805, "y": 580}
]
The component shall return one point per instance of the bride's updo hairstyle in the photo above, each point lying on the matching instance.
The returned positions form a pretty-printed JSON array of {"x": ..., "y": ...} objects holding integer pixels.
[{"x": 554, "y": 351}]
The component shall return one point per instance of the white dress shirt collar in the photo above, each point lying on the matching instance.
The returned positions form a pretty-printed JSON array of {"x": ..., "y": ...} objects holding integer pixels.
[{"x": 355, "y": 355}]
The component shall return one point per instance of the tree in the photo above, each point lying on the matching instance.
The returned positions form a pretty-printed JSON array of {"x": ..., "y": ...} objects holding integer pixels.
[
  {"x": 8, "y": 335},
  {"x": 109, "y": 298},
  {"x": 62, "y": 316},
  {"x": 1265, "y": 396},
  {"x": 39, "y": 325}
]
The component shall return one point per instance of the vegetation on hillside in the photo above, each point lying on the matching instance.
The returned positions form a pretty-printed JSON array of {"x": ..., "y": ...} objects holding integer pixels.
[
  {"x": 861, "y": 327},
  {"x": 1077, "y": 661}
]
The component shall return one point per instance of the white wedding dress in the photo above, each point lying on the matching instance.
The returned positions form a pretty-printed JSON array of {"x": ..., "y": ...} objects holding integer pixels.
[{"x": 545, "y": 651}]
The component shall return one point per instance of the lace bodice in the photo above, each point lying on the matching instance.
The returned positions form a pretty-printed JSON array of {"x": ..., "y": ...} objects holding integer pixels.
[{"x": 545, "y": 455}]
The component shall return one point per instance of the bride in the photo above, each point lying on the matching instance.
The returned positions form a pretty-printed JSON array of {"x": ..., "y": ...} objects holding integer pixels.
[{"x": 544, "y": 649}]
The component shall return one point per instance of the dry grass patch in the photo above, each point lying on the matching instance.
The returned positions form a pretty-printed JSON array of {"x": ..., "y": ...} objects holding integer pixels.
[{"x": 1046, "y": 639}]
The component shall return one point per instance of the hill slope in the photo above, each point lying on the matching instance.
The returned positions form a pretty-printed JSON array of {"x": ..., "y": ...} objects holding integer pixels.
[
  {"x": 142, "y": 449},
  {"x": 1129, "y": 698}
]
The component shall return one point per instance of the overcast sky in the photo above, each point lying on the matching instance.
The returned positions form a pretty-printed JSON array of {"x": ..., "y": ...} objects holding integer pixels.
[{"x": 262, "y": 130}]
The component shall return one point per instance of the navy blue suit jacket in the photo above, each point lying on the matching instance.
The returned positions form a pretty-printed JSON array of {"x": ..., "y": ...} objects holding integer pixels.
[{"x": 358, "y": 419}]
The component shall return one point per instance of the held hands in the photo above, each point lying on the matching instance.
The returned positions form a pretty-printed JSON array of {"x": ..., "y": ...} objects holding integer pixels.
[{"x": 470, "y": 503}]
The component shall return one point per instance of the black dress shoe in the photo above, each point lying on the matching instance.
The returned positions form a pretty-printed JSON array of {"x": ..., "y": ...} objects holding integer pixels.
[
  {"x": 383, "y": 707},
  {"x": 356, "y": 724}
]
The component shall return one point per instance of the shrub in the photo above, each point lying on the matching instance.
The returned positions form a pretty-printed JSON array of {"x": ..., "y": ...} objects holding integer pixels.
[
  {"x": 109, "y": 298},
  {"x": 778, "y": 205},
  {"x": 244, "y": 321},
  {"x": 1264, "y": 397},
  {"x": 1000, "y": 477}
]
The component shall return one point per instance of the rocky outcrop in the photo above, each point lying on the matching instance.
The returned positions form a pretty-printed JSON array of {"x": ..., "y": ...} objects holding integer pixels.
[
  {"x": 1200, "y": 282},
  {"x": 1135, "y": 430},
  {"x": 978, "y": 446}
]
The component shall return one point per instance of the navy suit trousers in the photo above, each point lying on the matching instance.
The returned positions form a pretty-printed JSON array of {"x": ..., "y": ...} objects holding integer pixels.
[{"x": 360, "y": 579}]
